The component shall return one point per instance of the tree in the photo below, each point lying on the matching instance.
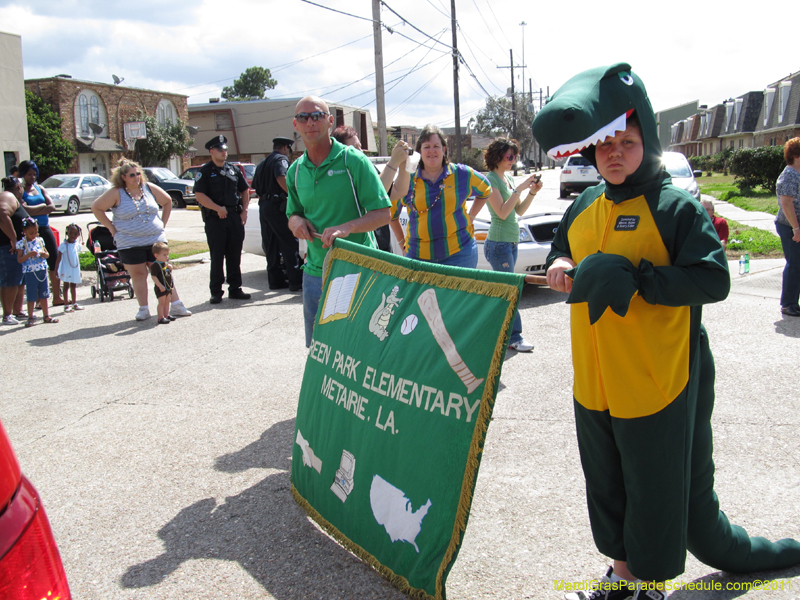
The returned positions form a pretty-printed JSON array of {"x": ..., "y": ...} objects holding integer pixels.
[
  {"x": 251, "y": 84},
  {"x": 161, "y": 142},
  {"x": 52, "y": 153},
  {"x": 496, "y": 119}
]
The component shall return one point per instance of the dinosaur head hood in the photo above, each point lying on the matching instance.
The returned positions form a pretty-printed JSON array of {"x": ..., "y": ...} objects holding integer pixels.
[{"x": 596, "y": 104}]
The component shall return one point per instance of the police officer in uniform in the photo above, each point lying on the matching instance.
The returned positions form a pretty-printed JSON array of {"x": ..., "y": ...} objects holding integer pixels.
[
  {"x": 222, "y": 192},
  {"x": 276, "y": 238}
]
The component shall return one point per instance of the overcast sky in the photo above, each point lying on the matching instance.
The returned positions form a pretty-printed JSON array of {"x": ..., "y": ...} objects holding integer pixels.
[{"x": 691, "y": 50}]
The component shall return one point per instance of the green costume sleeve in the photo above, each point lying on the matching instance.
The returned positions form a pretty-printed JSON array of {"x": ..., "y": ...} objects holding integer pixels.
[{"x": 699, "y": 271}]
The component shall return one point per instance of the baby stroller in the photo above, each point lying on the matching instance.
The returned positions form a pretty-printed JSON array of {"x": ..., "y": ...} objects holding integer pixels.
[{"x": 111, "y": 274}]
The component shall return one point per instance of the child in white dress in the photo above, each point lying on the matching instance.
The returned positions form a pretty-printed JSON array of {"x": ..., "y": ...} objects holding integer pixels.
[{"x": 68, "y": 265}]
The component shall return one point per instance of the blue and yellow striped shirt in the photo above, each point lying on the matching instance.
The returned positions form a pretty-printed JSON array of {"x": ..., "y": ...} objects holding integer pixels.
[{"x": 438, "y": 221}]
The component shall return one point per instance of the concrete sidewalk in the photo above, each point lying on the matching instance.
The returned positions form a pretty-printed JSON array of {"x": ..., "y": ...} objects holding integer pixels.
[{"x": 752, "y": 218}]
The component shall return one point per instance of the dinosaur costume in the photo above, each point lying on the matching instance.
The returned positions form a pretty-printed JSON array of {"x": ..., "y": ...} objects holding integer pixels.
[{"x": 644, "y": 373}]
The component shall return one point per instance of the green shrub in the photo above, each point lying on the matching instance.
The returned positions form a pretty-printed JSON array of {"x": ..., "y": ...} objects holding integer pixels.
[
  {"x": 87, "y": 261},
  {"x": 727, "y": 195},
  {"x": 757, "y": 166}
]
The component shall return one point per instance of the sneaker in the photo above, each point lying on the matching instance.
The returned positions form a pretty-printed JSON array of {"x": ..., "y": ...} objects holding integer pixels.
[
  {"x": 10, "y": 320},
  {"x": 143, "y": 314},
  {"x": 605, "y": 590},
  {"x": 521, "y": 346},
  {"x": 68, "y": 308},
  {"x": 650, "y": 595},
  {"x": 177, "y": 309}
]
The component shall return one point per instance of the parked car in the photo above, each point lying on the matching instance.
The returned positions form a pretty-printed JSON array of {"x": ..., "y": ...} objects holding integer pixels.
[
  {"x": 190, "y": 173},
  {"x": 30, "y": 565},
  {"x": 536, "y": 232},
  {"x": 180, "y": 190},
  {"x": 72, "y": 191},
  {"x": 577, "y": 174},
  {"x": 681, "y": 172}
]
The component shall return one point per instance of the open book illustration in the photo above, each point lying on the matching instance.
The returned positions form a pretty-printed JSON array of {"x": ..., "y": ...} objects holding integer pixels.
[{"x": 339, "y": 299}]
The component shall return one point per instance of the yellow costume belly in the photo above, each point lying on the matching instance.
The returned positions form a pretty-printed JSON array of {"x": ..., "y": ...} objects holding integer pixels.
[{"x": 627, "y": 365}]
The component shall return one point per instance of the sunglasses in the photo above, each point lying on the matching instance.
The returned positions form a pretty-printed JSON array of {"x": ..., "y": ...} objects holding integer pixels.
[
  {"x": 314, "y": 116},
  {"x": 132, "y": 174},
  {"x": 510, "y": 157}
]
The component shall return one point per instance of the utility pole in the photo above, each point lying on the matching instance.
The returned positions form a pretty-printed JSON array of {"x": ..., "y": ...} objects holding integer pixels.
[
  {"x": 523, "y": 55},
  {"x": 513, "y": 96},
  {"x": 376, "y": 34},
  {"x": 455, "y": 79}
]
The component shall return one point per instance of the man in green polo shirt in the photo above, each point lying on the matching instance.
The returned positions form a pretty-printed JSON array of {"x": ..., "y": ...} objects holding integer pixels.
[{"x": 333, "y": 193}]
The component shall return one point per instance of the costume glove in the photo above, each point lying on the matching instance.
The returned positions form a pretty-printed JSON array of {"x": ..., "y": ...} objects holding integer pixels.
[{"x": 603, "y": 280}]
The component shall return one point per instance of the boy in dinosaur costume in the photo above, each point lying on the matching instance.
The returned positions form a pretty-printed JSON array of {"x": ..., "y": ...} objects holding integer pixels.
[{"x": 644, "y": 374}]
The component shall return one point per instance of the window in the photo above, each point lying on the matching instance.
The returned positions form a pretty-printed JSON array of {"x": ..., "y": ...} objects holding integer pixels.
[
  {"x": 89, "y": 108},
  {"x": 84, "y": 118},
  {"x": 783, "y": 100},
  {"x": 728, "y": 115},
  {"x": 769, "y": 96},
  {"x": 339, "y": 117},
  {"x": 165, "y": 113},
  {"x": 738, "y": 111},
  {"x": 223, "y": 121}
]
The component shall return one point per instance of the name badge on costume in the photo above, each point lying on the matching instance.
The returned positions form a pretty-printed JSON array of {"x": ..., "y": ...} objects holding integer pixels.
[{"x": 626, "y": 223}]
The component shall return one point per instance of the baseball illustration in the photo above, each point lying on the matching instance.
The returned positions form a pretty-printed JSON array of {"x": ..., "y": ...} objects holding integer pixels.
[{"x": 409, "y": 323}]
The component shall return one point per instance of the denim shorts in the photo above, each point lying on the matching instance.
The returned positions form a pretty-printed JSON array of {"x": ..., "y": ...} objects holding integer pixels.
[
  {"x": 36, "y": 287},
  {"x": 10, "y": 269}
]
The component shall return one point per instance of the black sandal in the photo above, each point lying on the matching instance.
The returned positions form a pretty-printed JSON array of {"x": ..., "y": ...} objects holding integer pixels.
[
  {"x": 50, "y": 320},
  {"x": 164, "y": 321}
]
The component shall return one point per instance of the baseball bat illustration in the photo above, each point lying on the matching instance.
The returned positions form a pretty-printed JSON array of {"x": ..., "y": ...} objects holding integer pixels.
[{"x": 430, "y": 310}]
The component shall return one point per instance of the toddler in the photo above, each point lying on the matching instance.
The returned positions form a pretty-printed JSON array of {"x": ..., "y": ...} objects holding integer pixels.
[
  {"x": 32, "y": 255},
  {"x": 161, "y": 271},
  {"x": 68, "y": 266}
]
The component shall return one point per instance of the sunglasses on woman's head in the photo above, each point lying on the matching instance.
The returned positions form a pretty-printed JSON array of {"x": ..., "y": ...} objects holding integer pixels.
[{"x": 315, "y": 116}]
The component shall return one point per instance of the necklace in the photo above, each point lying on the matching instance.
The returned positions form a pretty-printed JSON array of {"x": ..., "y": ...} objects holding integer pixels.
[
  {"x": 71, "y": 246},
  {"x": 435, "y": 200},
  {"x": 138, "y": 203},
  {"x": 39, "y": 240}
]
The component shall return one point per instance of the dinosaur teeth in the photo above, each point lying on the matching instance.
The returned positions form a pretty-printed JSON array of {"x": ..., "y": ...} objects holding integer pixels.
[{"x": 565, "y": 150}]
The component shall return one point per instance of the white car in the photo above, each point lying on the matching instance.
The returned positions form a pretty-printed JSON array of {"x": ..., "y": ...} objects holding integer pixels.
[
  {"x": 577, "y": 174},
  {"x": 71, "y": 191},
  {"x": 536, "y": 232},
  {"x": 681, "y": 172}
]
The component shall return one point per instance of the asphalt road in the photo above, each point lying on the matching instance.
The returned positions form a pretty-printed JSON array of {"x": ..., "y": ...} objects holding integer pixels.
[{"x": 162, "y": 452}]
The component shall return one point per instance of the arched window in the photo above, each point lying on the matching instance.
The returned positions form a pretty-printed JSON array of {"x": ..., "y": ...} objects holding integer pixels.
[
  {"x": 166, "y": 113},
  {"x": 89, "y": 108},
  {"x": 84, "y": 115}
]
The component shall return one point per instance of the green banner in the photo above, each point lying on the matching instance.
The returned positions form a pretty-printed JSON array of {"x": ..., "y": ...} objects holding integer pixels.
[{"x": 397, "y": 395}]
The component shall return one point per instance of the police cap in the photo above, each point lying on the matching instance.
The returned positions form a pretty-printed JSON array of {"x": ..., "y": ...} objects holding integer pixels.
[
  {"x": 280, "y": 142},
  {"x": 218, "y": 141}
]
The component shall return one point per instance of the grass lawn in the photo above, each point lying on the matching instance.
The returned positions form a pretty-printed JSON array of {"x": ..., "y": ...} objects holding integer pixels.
[
  {"x": 760, "y": 200},
  {"x": 756, "y": 242},
  {"x": 176, "y": 250}
]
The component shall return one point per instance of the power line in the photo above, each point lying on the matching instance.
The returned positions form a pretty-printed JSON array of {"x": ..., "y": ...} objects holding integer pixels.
[
  {"x": 411, "y": 25},
  {"x": 338, "y": 11}
]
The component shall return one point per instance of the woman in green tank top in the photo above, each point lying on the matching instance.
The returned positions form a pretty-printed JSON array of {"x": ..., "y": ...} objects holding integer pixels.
[{"x": 500, "y": 247}]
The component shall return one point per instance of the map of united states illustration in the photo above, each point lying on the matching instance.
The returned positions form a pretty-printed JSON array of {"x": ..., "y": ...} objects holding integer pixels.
[{"x": 392, "y": 509}]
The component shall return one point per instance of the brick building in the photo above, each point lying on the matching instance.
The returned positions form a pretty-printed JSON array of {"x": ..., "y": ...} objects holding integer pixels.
[{"x": 81, "y": 103}]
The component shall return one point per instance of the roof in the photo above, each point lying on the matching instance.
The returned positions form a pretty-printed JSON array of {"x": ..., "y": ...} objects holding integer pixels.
[
  {"x": 98, "y": 145},
  {"x": 109, "y": 85}
]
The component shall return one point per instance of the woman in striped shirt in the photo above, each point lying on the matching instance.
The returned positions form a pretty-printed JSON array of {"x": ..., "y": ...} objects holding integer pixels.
[{"x": 439, "y": 221}]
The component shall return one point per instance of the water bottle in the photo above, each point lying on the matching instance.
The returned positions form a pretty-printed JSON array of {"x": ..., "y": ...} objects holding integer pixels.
[
  {"x": 741, "y": 265},
  {"x": 96, "y": 246},
  {"x": 746, "y": 262}
]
